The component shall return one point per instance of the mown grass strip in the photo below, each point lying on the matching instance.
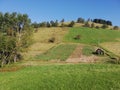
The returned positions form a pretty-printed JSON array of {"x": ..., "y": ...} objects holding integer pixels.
[{"x": 61, "y": 52}]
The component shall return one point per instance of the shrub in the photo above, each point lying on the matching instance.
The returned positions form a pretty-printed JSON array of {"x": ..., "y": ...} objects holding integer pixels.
[
  {"x": 104, "y": 26},
  {"x": 51, "y": 40},
  {"x": 86, "y": 24},
  {"x": 97, "y": 27},
  {"x": 77, "y": 37}
]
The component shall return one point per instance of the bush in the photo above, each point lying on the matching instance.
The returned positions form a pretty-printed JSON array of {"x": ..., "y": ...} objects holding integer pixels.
[
  {"x": 86, "y": 24},
  {"x": 51, "y": 40},
  {"x": 77, "y": 37},
  {"x": 104, "y": 26},
  {"x": 97, "y": 27}
]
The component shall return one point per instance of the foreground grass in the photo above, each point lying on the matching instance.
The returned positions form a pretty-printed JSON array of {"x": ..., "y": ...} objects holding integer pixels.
[
  {"x": 63, "y": 77},
  {"x": 61, "y": 52},
  {"x": 92, "y": 35}
]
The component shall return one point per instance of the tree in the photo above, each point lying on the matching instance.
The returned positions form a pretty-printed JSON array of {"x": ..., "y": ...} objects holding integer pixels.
[
  {"x": 56, "y": 23},
  {"x": 35, "y": 25},
  {"x": 104, "y": 26},
  {"x": 102, "y": 21},
  {"x": 43, "y": 24},
  {"x": 52, "y": 23},
  {"x": 80, "y": 20},
  {"x": 62, "y": 23},
  {"x": 15, "y": 36},
  {"x": 7, "y": 48},
  {"x": 86, "y": 24},
  {"x": 88, "y": 20},
  {"x": 72, "y": 23},
  {"x": 92, "y": 25},
  {"x": 48, "y": 24},
  {"x": 116, "y": 28},
  {"x": 109, "y": 23}
]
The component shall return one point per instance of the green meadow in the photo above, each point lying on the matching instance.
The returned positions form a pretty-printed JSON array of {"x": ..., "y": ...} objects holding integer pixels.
[
  {"x": 92, "y": 35},
  {"x": 63, "y": 77}
]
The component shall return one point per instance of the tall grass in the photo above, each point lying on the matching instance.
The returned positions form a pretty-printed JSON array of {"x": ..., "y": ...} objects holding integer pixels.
[
  {"x": 63, "y": 77},
  {"x": 92, "y": 35}
]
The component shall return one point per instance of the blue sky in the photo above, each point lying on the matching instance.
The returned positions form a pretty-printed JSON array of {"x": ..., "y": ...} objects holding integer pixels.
[{"x": 46, "y": 10}]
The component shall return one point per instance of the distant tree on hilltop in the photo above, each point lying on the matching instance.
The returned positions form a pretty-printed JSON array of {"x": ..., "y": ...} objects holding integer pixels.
[
  {"x": 115, "y": 27},
  {"x": 80, "y": 20},
  {"x": 87, "y": 24},
  {"x": 62, "y": 23},
  {"x": 48, "y": 24},
  {"x": 92, "y": 25},
  {"x": 72, "y": 23}
]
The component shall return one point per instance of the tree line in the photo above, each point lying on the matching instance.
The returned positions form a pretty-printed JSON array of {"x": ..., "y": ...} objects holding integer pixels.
[
  {"x": 15, "y": 36},
  {"x": 102, "y": 21},
  {"x": 85, "y": 23}
]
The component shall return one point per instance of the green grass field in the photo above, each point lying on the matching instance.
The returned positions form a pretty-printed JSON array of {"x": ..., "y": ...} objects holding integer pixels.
[
  {"x": 63, "y": 77},
  {"x": 91, "y": 35},
  {"x": 61, "y": 52}
]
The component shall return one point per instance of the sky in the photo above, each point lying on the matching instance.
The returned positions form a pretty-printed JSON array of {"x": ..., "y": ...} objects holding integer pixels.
[{"x": 47, "y": 10}]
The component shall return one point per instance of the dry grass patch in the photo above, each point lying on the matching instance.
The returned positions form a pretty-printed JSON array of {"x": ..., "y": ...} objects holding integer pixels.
[
  {"x": 37, "y": 49},
  {"x": 44, "y": 34},
  {"x": 112, "y": 47}
]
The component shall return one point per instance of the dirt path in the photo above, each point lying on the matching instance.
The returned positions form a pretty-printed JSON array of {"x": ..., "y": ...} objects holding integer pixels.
[{"x": 77, "y": 56}]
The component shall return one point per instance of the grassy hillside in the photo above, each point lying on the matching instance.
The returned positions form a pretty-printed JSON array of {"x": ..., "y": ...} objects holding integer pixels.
[
  {"x": 91, "y": 35},
  {"x": 35, "y": 74},
  {"x": 63, "y": 77},
  {"x": 41, "y": 44}
]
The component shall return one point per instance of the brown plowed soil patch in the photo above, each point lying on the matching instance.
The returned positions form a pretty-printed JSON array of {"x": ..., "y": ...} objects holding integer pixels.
[{"x": 77, "y": 56}]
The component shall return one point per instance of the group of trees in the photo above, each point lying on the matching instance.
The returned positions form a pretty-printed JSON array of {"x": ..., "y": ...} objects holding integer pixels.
[
  {"x": 45, "y": 24},
  {"x": 53, "y": 23},
  {"x": 15, "y": 36},
  {"x": 81, "y": 20},
  {"x": 102, "y": 21}
]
